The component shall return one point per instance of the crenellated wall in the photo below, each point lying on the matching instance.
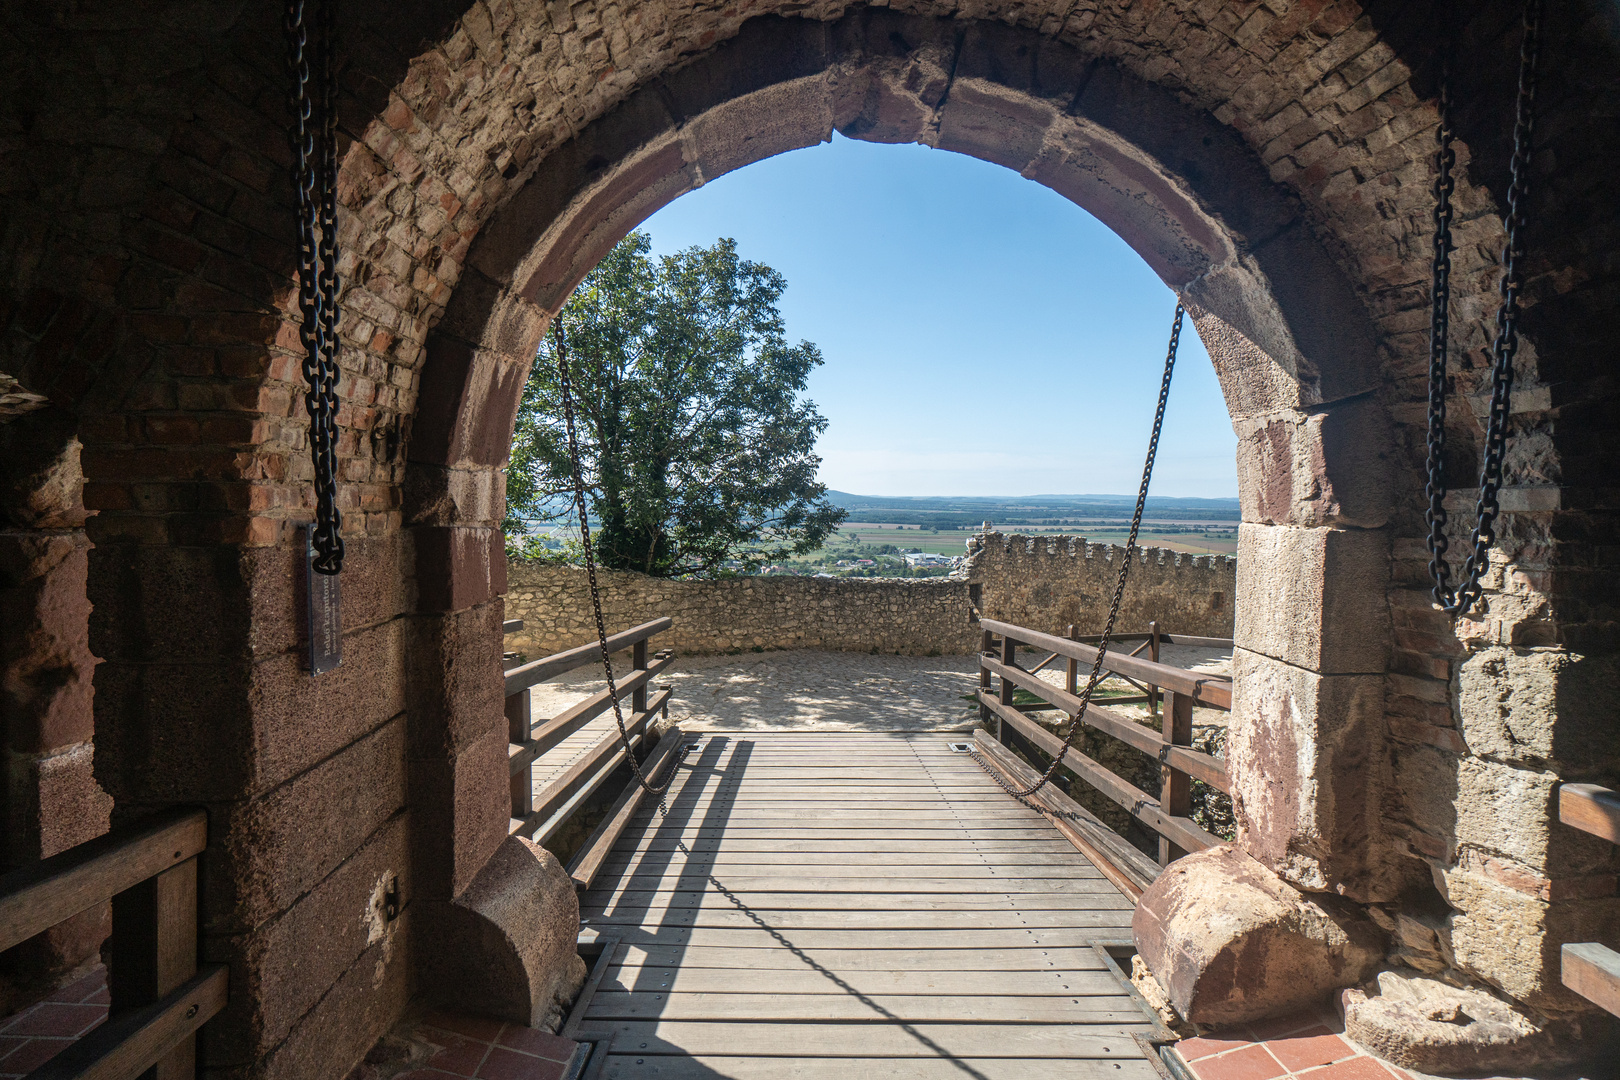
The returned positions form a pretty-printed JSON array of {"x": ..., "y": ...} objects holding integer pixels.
[{"x": 1044, "y": 583}]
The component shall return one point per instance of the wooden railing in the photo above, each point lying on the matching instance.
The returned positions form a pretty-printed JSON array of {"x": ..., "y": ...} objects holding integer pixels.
[
  {"x": 1590, "y": 969},
  {"x": 539, "y": 815},
  {"x": 159, "y": 995},
  {"x": 1168, "y": 814}
]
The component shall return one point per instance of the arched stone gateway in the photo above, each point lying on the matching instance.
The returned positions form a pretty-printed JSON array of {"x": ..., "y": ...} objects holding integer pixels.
[{"x": 1269, "y": 160}]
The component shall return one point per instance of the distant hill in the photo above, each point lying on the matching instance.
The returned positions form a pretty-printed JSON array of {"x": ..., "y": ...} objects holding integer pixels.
[{"x": 957, "y": 511}]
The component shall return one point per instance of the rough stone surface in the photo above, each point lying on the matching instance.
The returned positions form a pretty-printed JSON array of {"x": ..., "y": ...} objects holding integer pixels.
[
  {"x": 1230, "y": 941},
  {"x": 1045, "y": 583},
  {"x": 1449, "y": 1030},
  {"x": 505, "y": 947},
  {"x": 1314, "y": 598}
]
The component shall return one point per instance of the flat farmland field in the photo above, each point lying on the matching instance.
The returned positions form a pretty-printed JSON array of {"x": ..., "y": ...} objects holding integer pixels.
[{"x": 1189, "y": 537}]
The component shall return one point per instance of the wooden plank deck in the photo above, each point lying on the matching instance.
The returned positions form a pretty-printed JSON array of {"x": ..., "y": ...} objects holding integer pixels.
[{"x": 855, "y": 905}]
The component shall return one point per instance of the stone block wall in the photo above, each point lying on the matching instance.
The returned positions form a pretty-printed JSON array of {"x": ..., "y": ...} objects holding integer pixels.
[
  {"x": 1049, "y": 582},
  {"x": 1044, "y": 583}
]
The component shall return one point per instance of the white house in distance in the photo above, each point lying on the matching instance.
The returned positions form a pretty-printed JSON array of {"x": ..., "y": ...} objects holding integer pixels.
[{"x": 928, "y": 558}]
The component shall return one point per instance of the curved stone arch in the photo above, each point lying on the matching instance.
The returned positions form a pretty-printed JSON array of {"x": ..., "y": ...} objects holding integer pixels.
[{"x": 1294, "y": 346}]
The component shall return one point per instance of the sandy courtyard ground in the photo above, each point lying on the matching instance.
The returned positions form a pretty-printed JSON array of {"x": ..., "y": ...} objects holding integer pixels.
[{"x": 811, "y": 690}]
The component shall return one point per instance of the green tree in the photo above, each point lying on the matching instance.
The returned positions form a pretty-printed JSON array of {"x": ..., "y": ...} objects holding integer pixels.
[{"x": 696, "y": 446}]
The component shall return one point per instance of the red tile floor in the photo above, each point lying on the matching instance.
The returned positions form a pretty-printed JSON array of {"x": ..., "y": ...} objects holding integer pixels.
[
  {"x": 38, "y": 1033},
  {"x": 1308, "y": 1046},
  {"x": 489, "y": 1050}
]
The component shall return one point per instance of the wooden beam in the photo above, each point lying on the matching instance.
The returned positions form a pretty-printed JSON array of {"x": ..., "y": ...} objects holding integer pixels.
[
  {"x": 1593, "y": 971},
  {"x": 1211, "y": 770},
  {"x": 1204, "y": 689},
  {"x": 1130, "y": 873},
  {"x": 551, "y": 732},
  {"x": 549, "y": 667},
  {"x": 599, "y": 845},
  {"x": 1175, "y": 788},
  {"x": 1142, "y": 806},
  {"x": 154, "y": 952},
  {"x": 1202, "y": 642},
  {"x": 37, "y": 897},
  {"x": 1592, "y": 809},
  {"x": 130, "y": 1043},
  {"x": 551, "y": 798}
]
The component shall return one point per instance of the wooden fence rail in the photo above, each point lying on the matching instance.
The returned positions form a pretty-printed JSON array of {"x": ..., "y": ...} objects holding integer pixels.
[
  {"x": 539, "y": 815},
  {"x": 159, "y": 996},
  {"x": 1592, "y": 969},
  {"x": 1168, "y": 813}
]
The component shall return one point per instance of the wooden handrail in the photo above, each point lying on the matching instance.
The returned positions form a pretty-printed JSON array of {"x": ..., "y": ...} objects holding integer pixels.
[
  {"x": 158, "y": 998},
  {"x": 549, "y": 667},
  {"x": 1592, "y": 809},
  {"x": 587, "y": 861},
  {"x": 37, "y": 897},
  {"x": 555, "y": 794},
  {"x": 551, "y": 732},
  {"x": 1203, "y": 689},
  {"x": 1211, "y": 770}
]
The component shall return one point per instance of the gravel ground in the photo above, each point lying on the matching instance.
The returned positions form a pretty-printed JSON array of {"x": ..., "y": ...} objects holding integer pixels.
[{"x": 812, "y": 690}]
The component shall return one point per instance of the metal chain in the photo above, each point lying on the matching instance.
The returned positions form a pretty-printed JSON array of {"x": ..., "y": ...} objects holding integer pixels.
[
  {"x": 1078, "y": 716},
  {"x": 566, "y": 390},
  {"x": 314, "y": 144},
  {"x": 1462, "y": 599}
]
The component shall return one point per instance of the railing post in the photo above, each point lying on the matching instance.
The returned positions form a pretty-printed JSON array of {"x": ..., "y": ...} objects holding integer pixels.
[
  {"x": 154, "y": 950},
  {"x": 1175, "y": 790},
  {"x": 638, "y": 662},
  {"x": 1071, "y": 668},
  {"x": 987, "y": 641},
  {"x": 1153, "y": 654},
  {"x": 1009, "y": 656},
  {"x": 519, "y": 726}
]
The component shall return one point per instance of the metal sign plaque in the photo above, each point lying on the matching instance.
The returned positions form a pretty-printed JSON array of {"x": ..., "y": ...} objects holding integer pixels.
[{"x": 325, "y": 619}]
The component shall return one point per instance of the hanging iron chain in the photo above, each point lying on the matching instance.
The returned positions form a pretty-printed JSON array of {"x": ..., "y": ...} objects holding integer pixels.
[
  {"x": 314, "y": 144},
  {"x": 1075, "y": 720},
  {"x": 566, "y": 390},
  {"x": 1505, "y": 345}
]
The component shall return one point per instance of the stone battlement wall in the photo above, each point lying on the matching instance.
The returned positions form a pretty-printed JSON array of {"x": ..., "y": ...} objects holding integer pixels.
[
  {"x": 1043, "y": 583},
  {"x": 1048, "y": 582}
]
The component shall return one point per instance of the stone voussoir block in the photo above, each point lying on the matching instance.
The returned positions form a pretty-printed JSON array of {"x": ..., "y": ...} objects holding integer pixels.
[{"x": 1314, "y": 598}]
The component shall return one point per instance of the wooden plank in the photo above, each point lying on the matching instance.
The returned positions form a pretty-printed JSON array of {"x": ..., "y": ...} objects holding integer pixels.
[
  {"x": 549, "y": 667},
  {"x": 1593, "y": 971},
  {"x": 1142, "y": 806},
  {"x": 915, "y": 886},
  {"x": 1200, "y": 642},
  {"x": 37, "y": 897},
  {"x": 809, "y": 1040},
  {"x": 1127, "y": 869},
  {"x": 599, "y": 845},
  {"x": 154, "y": 951},
  {"x": 781, "y": 844},
  {"x": 1029, "y": 961},
  {"x": 985, "y": 921},
  {"x": 681, "y": 979},
  {"x": 969, "y": 1008},
  {"x": 1592, "y": 809},
  {"x": 1175, "y": 788},
  {"x": 129, "y": 1044},
  {"x": 1205, "y": 689},
  {"x": 636, "y": 1065},
  {"x": 521, "y": 754},
  {"x": 860, "y": 864},
  {"x": 561, "y": 789},
  {"x": 1211, "y": 770},
  {"x": 876, "y": 938}
]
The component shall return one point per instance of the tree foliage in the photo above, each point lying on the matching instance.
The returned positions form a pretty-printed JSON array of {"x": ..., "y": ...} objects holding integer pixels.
[{"x": 696, "y": 445}]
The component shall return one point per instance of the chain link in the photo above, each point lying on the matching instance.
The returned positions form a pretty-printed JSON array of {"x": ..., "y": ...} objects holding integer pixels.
[
  {"x": 566, "y": 390},
  {"x": 314, "y": 143},
  {"x": 1505, "y": 345},
  {"x": 1076, "y": 718}
]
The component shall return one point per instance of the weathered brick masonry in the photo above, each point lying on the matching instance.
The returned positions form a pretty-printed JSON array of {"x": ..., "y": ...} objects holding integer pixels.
[
  {"x": 1045, "y": 583},
  {"x": 1269, "y": 159}
]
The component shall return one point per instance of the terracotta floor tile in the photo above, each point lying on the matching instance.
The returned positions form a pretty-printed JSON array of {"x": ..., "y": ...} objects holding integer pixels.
[
  {"x": 31, "y": 1055},
  {"x": 540, "y": 1043},
  {"x": 77, "y": 991},
  {"x": 1249, "y": 1063},
  {"x": 1205, "y": 1045},
  {"x": 427, "y": 1074},
  {"x": 1314, "y": 1046},
  {"x": 459, "y": 1056},
  {"x": 1279, "y": 1026},
  {"x": 473, "y": 1027},
  {"x": 56, "y": 1018},
  {"x": 504, "y": 1064},
  {"x": 1357, "y": 1068}
]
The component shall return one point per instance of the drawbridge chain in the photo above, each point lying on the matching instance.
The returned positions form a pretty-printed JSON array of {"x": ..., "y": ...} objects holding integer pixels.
[
  {"x": 1078, "y": 717},
  {"x": 565, "y": 389},
  {"x": 1459, "y": 600}
]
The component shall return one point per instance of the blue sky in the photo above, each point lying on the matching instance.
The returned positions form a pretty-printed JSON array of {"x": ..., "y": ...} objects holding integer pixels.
[{"x": 982, "y": 334}]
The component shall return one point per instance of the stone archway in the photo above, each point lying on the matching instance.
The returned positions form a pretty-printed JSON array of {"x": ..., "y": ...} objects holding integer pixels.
[{"x": 1268, "y": 159}]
